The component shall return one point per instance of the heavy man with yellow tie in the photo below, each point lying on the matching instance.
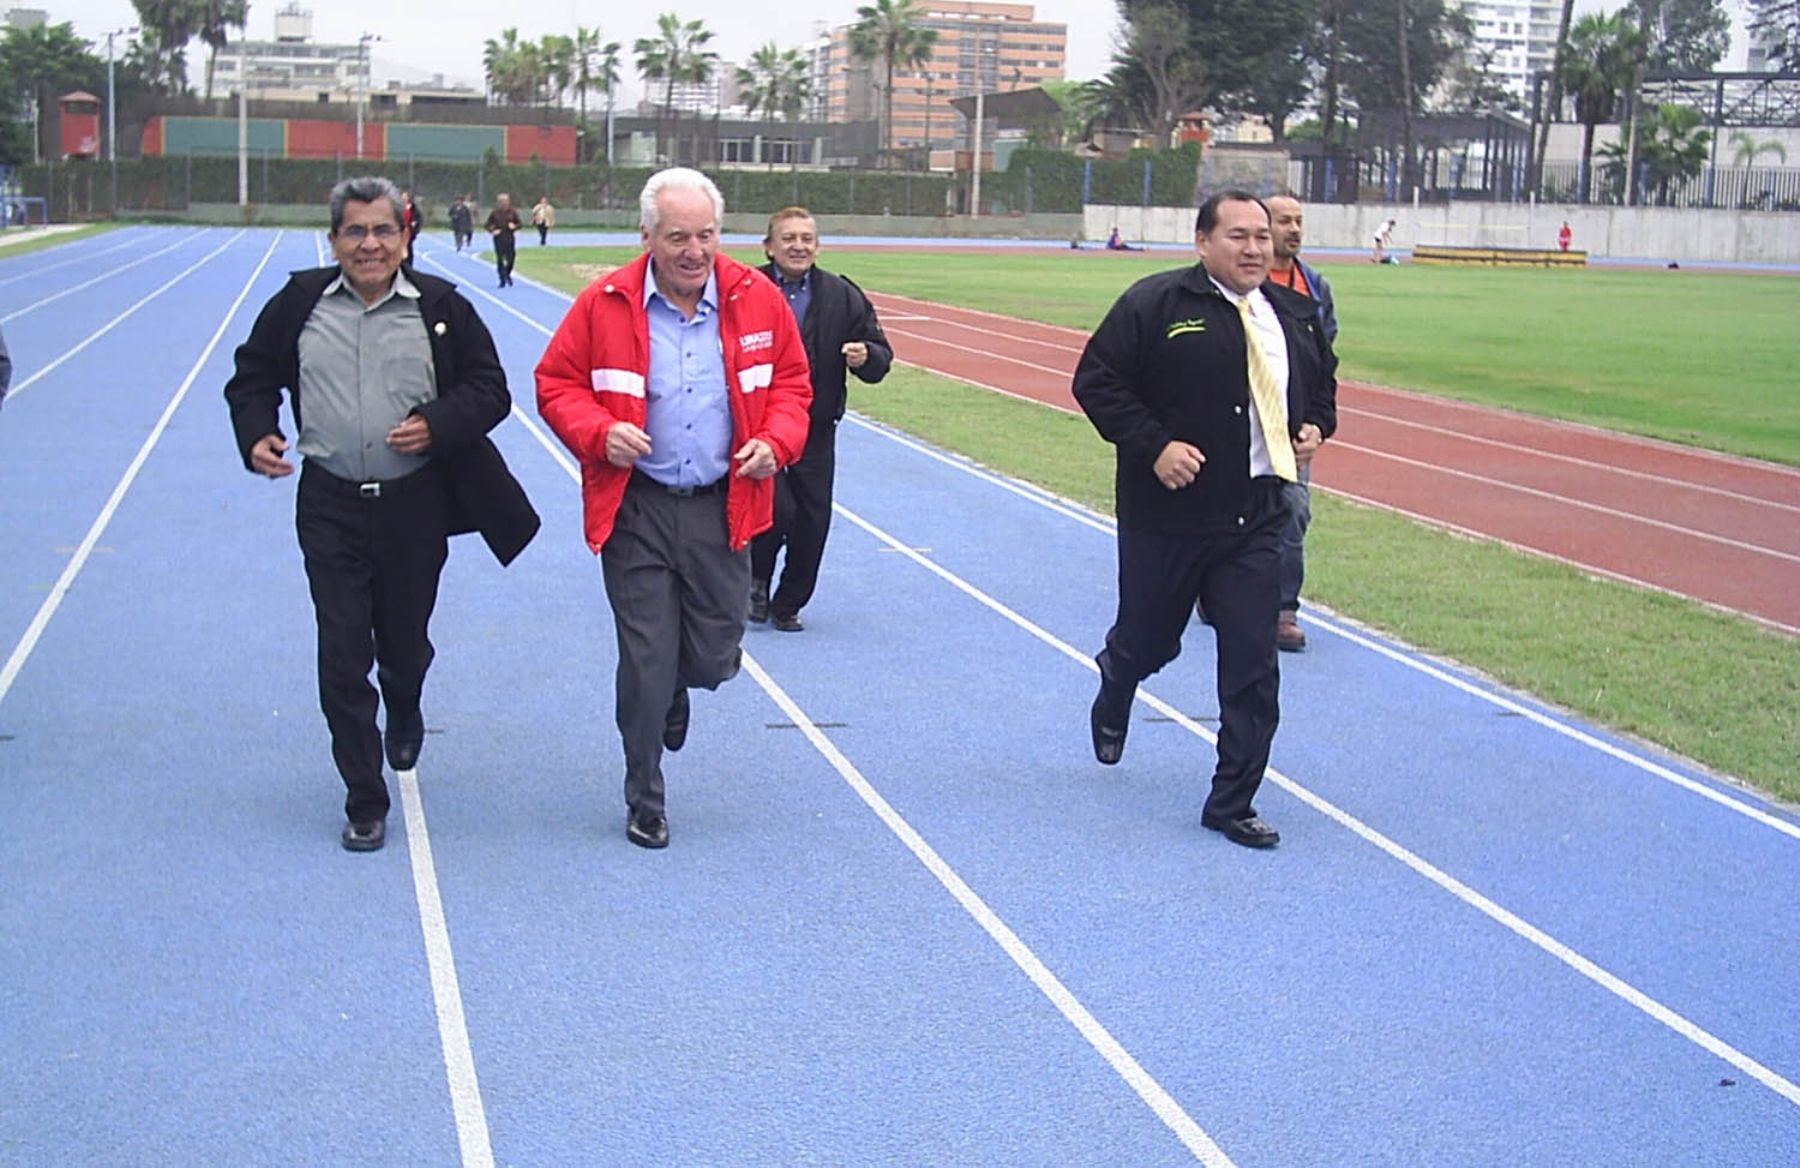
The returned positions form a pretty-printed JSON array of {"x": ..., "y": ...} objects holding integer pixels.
[{"x": 1207, "y": 380}]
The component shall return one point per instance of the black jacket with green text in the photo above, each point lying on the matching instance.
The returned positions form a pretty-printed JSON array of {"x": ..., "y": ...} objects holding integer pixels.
[{"x": 1168, "y": 363}]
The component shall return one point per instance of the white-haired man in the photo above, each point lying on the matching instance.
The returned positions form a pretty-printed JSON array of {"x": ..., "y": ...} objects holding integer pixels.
[{"x": 680, "y": 383}]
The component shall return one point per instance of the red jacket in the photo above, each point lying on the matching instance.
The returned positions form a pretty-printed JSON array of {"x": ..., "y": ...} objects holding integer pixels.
[{"x": 595, "y": 369}]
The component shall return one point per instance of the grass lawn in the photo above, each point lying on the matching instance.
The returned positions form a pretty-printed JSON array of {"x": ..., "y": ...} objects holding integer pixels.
[
  {"x": 17, "y": 243},
  {"x": 1719, "y": 689}
]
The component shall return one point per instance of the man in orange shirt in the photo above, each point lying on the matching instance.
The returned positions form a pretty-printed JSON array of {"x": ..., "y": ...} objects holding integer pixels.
[{"x": 1287, "y": 220}]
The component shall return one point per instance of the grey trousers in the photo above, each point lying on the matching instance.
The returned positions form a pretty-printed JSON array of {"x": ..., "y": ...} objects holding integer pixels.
[
  {"x": 678, "y": 595},
  {"x": 1293, "y": 539}
]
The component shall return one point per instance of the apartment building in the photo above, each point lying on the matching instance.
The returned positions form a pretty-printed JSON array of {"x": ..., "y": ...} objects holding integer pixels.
[{"x": 992, "y": 47}]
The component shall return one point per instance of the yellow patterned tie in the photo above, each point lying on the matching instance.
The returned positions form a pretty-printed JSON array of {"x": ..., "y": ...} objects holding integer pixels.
[{"x": 1270, "y": 409}]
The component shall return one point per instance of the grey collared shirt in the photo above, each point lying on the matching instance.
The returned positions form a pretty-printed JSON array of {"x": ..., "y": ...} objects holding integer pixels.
[{"x": 363, "y": 369}]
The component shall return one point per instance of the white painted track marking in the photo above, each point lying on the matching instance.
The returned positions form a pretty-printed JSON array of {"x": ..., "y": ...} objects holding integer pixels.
[
  {"x": 115, "y": 321},
  {"x": 22, "y": 651},
  {"x": 90, "y": 282},
  {"x": 1489, "y": 908},
  {"x": 1555, "y": 725},
  {"x": 1192, "y": 1136},
  {"x": 37, "y": 271},
  {"x": 446, "y": 993}
]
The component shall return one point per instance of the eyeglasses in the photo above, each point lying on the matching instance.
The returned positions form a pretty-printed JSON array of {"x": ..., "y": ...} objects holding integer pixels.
[{"x": 356, "y": 232}]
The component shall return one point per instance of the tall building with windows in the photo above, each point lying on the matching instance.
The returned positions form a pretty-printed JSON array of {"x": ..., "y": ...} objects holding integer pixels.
[
  {"x": 1519, "y": 37},
  {"x": 987, "y": 46}
]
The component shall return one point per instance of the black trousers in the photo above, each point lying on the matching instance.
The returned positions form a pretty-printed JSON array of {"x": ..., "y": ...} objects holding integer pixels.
[
  {"x": 802, "y": 521},
  {"x": 373, "y": 562},
  {"x": 677, "y": 594},
  {"x": 505, "y": 252},
  {"x": 1237, "y": 576}
]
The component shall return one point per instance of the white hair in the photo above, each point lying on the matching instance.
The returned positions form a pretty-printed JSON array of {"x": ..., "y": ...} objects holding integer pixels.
[{"x": 678, "y": 178}]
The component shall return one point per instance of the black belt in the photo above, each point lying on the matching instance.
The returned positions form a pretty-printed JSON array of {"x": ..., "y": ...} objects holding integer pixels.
[
  {"x": 373, "y": 489},
  {"x": 717, "y": 486}
]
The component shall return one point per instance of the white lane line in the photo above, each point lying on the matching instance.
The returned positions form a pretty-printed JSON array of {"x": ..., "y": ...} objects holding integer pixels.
[
  {"x": 938, "y": 308},
  {"x": 1660, "y": 445},
  {"x": 1148, "y": 1089},
  {"x": 16, "y": 661},
  {"x": 115, "y": 321},
  {"x": 1590, "y": 569},
  {"x": 1588, "y": 463},
  {"x": 1613, "y": 512},
  {"x": 130, "y": 239},
  {"x": 1463, "y": 892},
  {"x": 446, "y": 993},
  {"x": 1004, "y": 335},
  {"x": 106, "y": 275},
  {"x": 988, "y": 354},
  {"x": 1107, "y": 525},
  {"x": 1127, "y": 1067}
]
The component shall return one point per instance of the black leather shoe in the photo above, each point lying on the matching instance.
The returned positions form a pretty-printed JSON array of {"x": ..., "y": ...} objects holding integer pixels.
[
  {"x": 1250, "y": 831},
  {"x": 1109, "y": 737},
  {"x": 787, "y": 622},
  {"x": 759, "y": 601},
  {"x": 365, "y": 837},
  {"x": 647, "y": 831},
  {"x": 675, "y": 726},
  {"x": 404, "y": 737}
]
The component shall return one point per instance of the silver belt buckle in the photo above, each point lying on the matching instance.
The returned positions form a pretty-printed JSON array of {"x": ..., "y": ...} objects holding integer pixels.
[{"x": 369, "y": 490}]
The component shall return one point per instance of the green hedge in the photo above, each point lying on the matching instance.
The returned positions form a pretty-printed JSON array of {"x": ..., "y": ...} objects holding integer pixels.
[
  {"x": 82, "y": 190},
  {"x": 1035, "y": 181}
]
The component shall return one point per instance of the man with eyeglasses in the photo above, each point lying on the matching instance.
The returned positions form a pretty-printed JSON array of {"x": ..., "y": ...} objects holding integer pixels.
[{"x": 394, "y": 384}]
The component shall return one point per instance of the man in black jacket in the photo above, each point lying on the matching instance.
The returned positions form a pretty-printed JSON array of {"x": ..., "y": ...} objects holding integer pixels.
[
  {"x": 1210, "y": 382},
  {"x": 838, "y": 325},
  {"x": 394, "y": 383}
]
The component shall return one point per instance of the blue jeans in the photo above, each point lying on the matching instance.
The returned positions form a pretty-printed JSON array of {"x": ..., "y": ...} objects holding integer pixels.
[{"x": 1293, "y": 537}]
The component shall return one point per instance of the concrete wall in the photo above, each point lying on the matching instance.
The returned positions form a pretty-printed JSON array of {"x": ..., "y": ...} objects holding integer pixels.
[{"x": 1649, "y": 233}]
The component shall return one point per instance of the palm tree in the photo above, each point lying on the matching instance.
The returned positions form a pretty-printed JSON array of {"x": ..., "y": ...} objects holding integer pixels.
[
  {"x": 769, "y": 84},
  {"x": 677, "y": 53},
  {"x": 1599, "y": 62},
  {"x": 890, "y": 31},
  {"x": 586, "y": 46},
  {"x": 1746, "y": 150},
  {"x": 507, "y": 68},
  {"x": 1553, "y": 104},
  {"x": 217, "y": 19},
  {"x": 556, "y": 59},
  {"x": 607, "y": 78}
]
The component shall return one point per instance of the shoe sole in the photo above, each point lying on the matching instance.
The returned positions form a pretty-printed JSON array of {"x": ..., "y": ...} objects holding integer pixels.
[
  {"x": 1268, "y": 841},
  {"x": 644, "y": 841}
]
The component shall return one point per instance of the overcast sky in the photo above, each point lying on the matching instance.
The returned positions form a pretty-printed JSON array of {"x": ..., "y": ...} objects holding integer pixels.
[
  {"x": 448, "y": 37},
  {"x": 445, "y": 36}
]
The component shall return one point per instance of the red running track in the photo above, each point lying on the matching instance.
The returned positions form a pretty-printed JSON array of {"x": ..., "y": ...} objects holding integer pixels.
[{"x": 1719, "y": 529}]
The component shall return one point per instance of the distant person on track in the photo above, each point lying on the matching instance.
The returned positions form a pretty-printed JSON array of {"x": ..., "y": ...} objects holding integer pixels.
[
  {"x": 1564, "y": 236},
  {"x": 409, "y": 218},
  {"x": 1384, "y": 237},
  {"x": 1209, "y": 381},
  {"x": 5, "y": 369},
  {"x": 679, "y": 382},
  {"x": 369, "y": 348},
  {"x": 462, "y": 220},
  {"x": 543, "y": 217},
  {"x": 503, "y": 225},
  {"x": 1287, "y": 219},
  {"x": 840, "y": 331},
  {"x": 1115, "y": 243}
]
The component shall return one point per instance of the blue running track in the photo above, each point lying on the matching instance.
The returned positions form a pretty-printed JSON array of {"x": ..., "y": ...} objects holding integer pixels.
[{"x": 905, "y": 918}]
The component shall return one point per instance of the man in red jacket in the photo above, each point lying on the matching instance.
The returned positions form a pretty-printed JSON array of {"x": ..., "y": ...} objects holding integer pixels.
[{"x": 680, "y": 384}]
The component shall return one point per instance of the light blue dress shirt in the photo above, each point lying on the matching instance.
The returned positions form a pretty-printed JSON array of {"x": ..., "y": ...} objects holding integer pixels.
[{"x": 687, "y": 404}]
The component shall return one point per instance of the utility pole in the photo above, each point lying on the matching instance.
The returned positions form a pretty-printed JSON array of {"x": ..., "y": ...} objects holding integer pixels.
[
  {"x": 980, "y": 115},
  {"x": 112, "y": 117},
  {"x": 244, "y": 117},
  {"x": 362, "y": 79}
]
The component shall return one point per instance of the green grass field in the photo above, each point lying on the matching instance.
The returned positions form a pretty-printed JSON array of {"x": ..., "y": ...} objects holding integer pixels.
[
  {"x": 1719, "y": 689},
  {"x": 18, "y": 242}
]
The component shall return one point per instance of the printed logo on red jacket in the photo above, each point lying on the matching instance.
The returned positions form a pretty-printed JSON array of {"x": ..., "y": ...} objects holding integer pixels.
[{"x": 749, "y": 342}]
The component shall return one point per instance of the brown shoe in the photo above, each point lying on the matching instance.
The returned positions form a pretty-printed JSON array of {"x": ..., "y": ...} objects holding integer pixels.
[{"x": 1289, "y": 637}]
